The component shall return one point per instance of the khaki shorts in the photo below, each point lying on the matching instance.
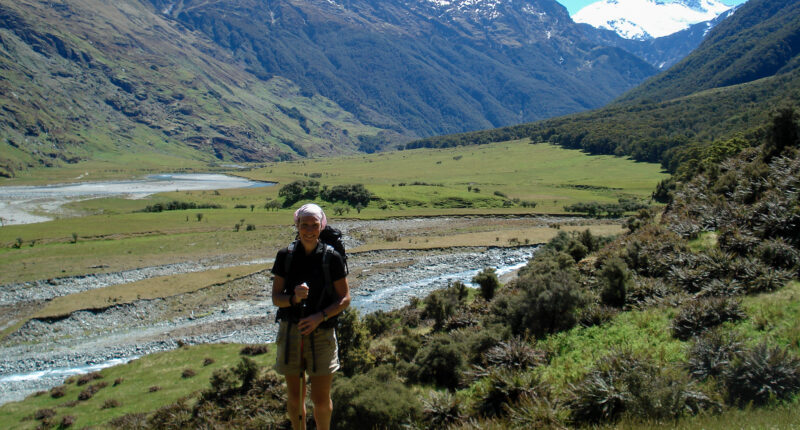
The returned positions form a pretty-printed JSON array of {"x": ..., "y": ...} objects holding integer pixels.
[{"x": 325, "y": 351}]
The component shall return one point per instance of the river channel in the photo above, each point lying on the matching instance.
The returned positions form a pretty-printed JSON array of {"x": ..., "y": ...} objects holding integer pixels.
[
  {"x": 41, "y": 354},
  {"x": 32, "y": 204}
]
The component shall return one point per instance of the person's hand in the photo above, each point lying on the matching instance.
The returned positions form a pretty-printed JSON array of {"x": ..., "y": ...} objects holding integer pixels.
[
  {"x": 300, "y": 292},
  {"x": 310, "y": 323}
]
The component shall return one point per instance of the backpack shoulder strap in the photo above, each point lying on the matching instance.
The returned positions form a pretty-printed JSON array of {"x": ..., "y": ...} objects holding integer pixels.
[
  {"x": 287, "y": 264},
  {"x": 326, "y": 272}
]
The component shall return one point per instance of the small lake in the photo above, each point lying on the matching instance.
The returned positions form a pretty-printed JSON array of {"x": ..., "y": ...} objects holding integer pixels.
[{"x": 31, "y": 204}]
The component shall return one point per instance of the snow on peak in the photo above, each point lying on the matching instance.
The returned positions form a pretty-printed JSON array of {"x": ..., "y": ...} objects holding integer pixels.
[{"x": 645, "y": 19}]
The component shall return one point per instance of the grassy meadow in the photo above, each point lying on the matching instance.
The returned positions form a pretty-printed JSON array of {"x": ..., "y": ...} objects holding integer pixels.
[{"x": 112, "y": 235}]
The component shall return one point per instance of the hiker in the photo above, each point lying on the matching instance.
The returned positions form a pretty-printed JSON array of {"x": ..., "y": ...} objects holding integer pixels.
[{"x": 310, "y": 289}]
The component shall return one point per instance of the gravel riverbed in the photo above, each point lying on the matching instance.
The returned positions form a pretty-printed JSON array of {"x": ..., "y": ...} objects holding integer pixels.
[{"x": 41, "y": 353}]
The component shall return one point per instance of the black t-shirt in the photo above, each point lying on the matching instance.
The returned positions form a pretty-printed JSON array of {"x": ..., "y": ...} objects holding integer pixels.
[{"x": 308, "y": 269}]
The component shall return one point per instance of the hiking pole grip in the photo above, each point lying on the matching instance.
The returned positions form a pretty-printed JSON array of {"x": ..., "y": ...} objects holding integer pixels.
[{"x": 302, "y": 302}]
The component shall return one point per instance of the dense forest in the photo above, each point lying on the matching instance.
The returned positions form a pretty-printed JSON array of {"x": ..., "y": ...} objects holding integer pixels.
[{"x": 496, "y": 359}]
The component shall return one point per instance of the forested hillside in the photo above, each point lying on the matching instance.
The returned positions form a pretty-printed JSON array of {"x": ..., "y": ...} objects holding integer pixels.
[{"x": 726, "y": 89}]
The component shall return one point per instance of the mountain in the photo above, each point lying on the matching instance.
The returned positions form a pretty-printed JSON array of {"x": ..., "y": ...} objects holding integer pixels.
[
  {"x": 648, "y": 19},
  {"x": 746, "y": 68},
  {"x": 663, "y": 52},
  {"x": 424, "y": 66},
  {"x": 115, "y": 81}
]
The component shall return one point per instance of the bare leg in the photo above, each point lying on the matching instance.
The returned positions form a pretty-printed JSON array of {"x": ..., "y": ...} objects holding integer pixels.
[
  {"x": 295, "y": 407},
  {"x": 321, "y": 397}
]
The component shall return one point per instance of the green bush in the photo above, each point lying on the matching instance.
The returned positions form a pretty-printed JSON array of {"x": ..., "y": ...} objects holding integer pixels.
[
  {"x": 407, "y": 344},
  {"x": 540, "y": 304},
  {"x": 762, "y": 374},
  {"x": 353, "y": 338},
  {"x": 440, "y": 361},
  {"x": 699, "y": 315},
  {"x": 488, "y": 282},
  {"x": 615, "y": 280},
  {"x": 378, "y": 322},
  {"x": 442, "y": 304},
  {"x": 375, "y": 400}
]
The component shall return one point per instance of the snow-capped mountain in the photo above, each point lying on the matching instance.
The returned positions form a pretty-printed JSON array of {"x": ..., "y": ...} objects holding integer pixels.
[{"x": 647, "y": 19}]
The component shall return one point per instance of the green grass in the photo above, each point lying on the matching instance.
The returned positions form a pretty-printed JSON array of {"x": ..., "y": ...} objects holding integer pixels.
[
  {"x": 546, "y": 174},
  {"x": 161, "y": 369},
  {"x": 113, "y": 237},
  {"x": 644, "y": 333}
]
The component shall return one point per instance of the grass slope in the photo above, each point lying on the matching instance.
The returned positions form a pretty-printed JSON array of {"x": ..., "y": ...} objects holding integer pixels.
[{"x": 163, "y": 370}]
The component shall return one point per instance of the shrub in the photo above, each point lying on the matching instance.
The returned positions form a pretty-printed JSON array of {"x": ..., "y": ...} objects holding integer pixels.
[
  {"x": 376, "y": 399},
  {"x": 407, "y": 344},
  {"x": 538, "y": 412},
  {"x": 170, "y": 416},
  {"x": 353, "y": 340},
  {"x": 133, "y": 421},
  {"x": 596, "y": 315},
  {"x": 711, "y": 354},
  {"x": 118, "y": 381},
  {"x": 441, "y": 361},
  {"x": 154, "y": 388},
  {"x": 616, "y": 280},
  {"x": 379, "y": 322},
  {"x": 188, "y": 373},
  {"x": 91, "y": 390},
  {"x": 488, "y": 282},
  {"x": 623, "y": 384},
  {"x": 253, "y": 350},
  {"x": 110, "y": 404},
  {"x": 440, "y": 410},
  {"x": 479, "y": 342},
  {"x": 66, "y": 421},
  {"x": 762, "y": 374},
  {"x": 699, "y": 315},
  {"x": 779, "y": 254},
  {"x": 503, "y": 388},
  {"x": 442, "y": 304},
  {"x": 514, "y": 354},
  {"x": 89, "y": 377},
  {"x": 58, "y": 392},
  {"x": 43, "y": 414},
  {"x": 542, "y": 303}
]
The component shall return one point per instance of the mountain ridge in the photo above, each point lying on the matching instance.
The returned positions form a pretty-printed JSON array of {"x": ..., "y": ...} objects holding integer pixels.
[{"x": 649, "y": 19}]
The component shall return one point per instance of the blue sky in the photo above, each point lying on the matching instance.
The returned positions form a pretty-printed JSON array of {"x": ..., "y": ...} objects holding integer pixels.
[{"x": 574, "y": 6}]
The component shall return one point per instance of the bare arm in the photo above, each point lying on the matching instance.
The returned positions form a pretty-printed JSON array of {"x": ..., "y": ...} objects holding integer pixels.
[{"x": 282, "y": 300}]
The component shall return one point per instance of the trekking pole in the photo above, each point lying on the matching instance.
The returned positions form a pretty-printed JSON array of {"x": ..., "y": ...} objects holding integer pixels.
[{"x": 302, "y": 369}]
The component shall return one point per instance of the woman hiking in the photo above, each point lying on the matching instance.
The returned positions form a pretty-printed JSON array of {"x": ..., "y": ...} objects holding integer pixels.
[{"x": 310, "y": 288}]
